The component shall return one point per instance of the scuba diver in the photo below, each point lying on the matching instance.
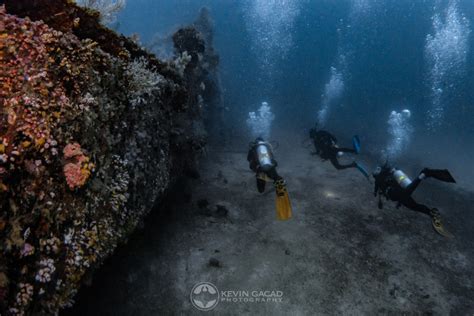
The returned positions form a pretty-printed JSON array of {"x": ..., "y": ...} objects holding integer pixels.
[
  {"x": 327, "y": 148},
  {"x": 395, "y": 185},
  {"x": 262, "y": 162}
]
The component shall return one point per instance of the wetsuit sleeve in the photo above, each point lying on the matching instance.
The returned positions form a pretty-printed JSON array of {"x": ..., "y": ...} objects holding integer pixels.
[
  {"x": 376, "y": 187},
  {"x": 253, "y": 163},
  {"x": 249, "y": 155}
]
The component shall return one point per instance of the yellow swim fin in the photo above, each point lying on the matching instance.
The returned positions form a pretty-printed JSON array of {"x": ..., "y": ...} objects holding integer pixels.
[
  {"x": 438, "y": 224},
  {"x": 283, "y": 205}
]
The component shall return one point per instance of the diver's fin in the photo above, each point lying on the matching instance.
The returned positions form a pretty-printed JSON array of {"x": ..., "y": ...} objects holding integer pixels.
[
  {"x": 356, "y": 143},
  {"x": 283, "y": 205},
  {"x": 362, "y": 170},
  {"x": 438, "y": 224},
  {"x": 439, "y": 174},
  {"x": 439, "y": 227}
]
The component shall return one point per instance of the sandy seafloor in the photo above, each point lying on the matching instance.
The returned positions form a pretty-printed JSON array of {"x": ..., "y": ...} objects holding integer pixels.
[{"x": 339, "y": 254}]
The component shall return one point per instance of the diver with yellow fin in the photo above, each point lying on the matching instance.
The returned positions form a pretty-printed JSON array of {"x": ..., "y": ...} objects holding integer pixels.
[
  {"x": 262, "y": 162},
  {"x": 395, "y": 185}
]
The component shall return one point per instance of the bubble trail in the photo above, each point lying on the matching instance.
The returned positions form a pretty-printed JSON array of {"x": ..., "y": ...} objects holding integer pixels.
[
  {"x": 446, "y": 51},
  {"x": 260, "y": 122},
  {"x": 400, "y": 131},
  {"x": 270, "y": 24},
  {"x": 333, "y": 91}
]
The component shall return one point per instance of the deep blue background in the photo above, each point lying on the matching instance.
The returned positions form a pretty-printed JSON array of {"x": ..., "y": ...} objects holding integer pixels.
[{"x": 386, "y": 68}]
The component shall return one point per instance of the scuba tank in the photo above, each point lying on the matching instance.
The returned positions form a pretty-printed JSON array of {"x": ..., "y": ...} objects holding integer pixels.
[
  {"x": 264, "y": 155},
  {"x": 401, "y": 178}
]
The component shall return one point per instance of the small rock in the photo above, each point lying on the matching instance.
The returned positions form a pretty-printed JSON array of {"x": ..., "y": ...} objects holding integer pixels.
[
  {"x": 213, "y": 262},
  {"x": 217, "y": 251},
  {"x": 287, "y": 252}
]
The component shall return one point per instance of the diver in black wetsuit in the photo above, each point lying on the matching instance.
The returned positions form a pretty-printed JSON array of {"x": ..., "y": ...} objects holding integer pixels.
[
  {"x": 327, "y": 148},
  {"x": 262, "y": 162},
  {"x": 395, "y": 185}
]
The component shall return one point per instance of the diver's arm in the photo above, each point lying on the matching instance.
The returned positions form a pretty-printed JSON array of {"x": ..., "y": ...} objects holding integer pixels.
[
  {"x": 376, "y": 188},
  {"x": 275, "y": 163}
]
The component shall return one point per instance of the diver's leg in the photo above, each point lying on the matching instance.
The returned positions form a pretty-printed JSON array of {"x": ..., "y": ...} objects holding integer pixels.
[
  {"x": 414, "y": 184},
  {"x": 260, "y": 185},
  {"x": 433, "y": 213},
  {"x": 338, "y": 166},
  {"x": 273, "y": 174},
  {"x": 410, "y": 203},
  {"x": 346, "y": 150}
]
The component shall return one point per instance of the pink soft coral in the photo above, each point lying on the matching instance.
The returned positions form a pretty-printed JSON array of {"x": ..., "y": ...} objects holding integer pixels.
[
  {"x": 77, "y": 170},
  {"x": 75, "y": 176},
  {"x": 72, "y": 150}
]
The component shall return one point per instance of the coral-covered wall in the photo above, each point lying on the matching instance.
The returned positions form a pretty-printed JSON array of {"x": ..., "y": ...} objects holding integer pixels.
[{"x": 93, "y": 132}]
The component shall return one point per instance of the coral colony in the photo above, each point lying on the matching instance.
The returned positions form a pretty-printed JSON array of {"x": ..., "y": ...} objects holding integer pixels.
[
  {"x": 37, "y": 145},
  {"x": 66, "y": 177},
  {"x": 108, "y": 8}
]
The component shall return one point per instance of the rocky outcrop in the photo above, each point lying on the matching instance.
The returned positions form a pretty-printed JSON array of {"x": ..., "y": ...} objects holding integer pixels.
[{"x": 93, "y": 132}]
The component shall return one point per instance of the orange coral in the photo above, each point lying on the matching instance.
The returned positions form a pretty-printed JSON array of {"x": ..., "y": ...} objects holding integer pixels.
[
  {"x": 28, "y": 96},
  {"x": 78, "y": 170},
  {"x": 75, "y": 176},
  {"x": 72, "y": 150}
]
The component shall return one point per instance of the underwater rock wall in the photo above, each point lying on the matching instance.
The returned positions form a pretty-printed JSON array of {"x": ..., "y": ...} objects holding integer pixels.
[
  {"x": 93, "y": 132},
  {"x": 212, "y": 89}
]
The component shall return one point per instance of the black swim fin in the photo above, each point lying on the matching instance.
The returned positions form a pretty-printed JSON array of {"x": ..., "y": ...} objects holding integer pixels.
[{"x": 439, "y": 174}]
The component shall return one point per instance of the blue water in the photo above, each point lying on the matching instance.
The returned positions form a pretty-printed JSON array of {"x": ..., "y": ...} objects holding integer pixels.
[{"x": 347, "y": 64}]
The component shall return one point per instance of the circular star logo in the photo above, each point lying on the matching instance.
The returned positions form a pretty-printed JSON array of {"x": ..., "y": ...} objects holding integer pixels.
[{"x": 204, "y": 296}]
